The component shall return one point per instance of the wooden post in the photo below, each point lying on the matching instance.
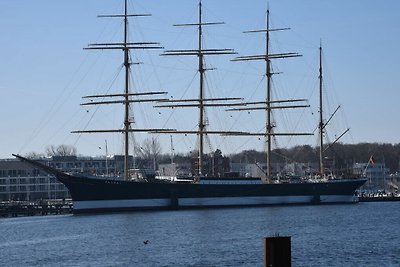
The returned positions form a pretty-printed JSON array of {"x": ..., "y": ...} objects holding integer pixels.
[{"x": 277, "y": 251}]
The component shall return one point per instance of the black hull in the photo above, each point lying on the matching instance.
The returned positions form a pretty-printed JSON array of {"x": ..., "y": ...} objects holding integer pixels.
[
  {"x": 103, "y": 195},
  {"x": 154, "y": 195}
]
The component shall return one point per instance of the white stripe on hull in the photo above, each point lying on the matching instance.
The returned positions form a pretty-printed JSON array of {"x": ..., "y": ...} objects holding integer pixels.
[
  {"x": 125, "y": 203},
  {"x": 338, "y": 199},
  {"x": 217, "y": 201},
  {"x": 237, "y": 201}
]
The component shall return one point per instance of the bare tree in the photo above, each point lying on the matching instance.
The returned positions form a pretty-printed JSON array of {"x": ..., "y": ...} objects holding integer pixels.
[
  {"x": 61, "y": 150},
  {"x": 149, "y": 151},
  {"x": 34, "y": 155}
]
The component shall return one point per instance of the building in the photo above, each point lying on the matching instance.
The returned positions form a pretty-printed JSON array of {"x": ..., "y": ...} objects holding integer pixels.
[
  {"x": 258, "y": 170},
  {"x": 21, "y": 181},
  {"x": 376, "y": 173},
  {"x": 175, "y": 169}
]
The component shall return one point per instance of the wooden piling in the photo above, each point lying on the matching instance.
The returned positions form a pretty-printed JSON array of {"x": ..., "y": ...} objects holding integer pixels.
[{"x": 277, "y": 251}]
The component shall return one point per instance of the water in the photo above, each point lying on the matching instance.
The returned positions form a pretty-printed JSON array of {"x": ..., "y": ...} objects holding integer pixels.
[{"x": 366, "y": 234}]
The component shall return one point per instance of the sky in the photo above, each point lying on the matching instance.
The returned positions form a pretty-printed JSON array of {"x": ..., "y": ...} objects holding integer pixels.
[{"x": 44, "y": 71}]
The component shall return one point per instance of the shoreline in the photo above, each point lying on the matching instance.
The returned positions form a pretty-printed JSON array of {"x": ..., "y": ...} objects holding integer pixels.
[
  {"x": 35, "y": 208},
  {"x": 379, "y": 198}
]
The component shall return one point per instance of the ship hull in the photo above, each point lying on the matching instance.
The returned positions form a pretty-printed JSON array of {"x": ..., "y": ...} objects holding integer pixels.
[
  {"x": 103, "y": 206},
  {"x": 106, "y": 195}
]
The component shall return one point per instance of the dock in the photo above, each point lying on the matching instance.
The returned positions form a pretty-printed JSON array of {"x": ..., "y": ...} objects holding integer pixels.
[
  {"x": 378, "y": 197},
  {"x": 35, "y": 208}
]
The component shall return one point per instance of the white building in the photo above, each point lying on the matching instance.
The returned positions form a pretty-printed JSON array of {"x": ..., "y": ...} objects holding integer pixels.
[
  {"x": 376, "y": 173},
  {"x": 21, "y": 181}
]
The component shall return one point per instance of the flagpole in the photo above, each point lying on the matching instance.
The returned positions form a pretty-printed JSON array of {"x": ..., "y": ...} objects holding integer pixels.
[
  {"x": 106, "y": 158},
  {"x": 371, "y": 159}
]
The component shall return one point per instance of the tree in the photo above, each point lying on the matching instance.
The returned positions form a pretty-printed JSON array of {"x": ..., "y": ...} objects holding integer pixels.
[
  {"x": 61, "y": 150},
  {"x": 149, "y": 151},
  {"x": 33, "y": 155}
]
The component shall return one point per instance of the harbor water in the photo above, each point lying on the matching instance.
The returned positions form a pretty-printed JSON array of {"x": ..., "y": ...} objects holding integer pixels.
[{"x": 365, "y": 234}]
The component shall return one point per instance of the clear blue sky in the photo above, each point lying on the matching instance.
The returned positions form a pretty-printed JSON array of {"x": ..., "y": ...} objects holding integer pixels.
[{"x": 44, "y": 71}]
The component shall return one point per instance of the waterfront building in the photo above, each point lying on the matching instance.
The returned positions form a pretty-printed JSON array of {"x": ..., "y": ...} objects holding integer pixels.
[
  {"x": 394, "y": 182},
  {"x": 256, "y": 169},
  {"x": 175, "y": 169},
  {"x": 301, "y": 169},
  {"x": 376, "y": 173},
  {"x": 20, "y": 181}
]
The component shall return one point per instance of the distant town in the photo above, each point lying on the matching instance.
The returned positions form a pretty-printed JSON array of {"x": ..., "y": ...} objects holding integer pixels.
[{"x": 378, "y": 162}]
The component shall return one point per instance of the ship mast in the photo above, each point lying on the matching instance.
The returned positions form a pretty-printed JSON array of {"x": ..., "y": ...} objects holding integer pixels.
[
  {"x": 200, "y": 52},
  {"x": 269, "y": 127},
  {"x": 321, "y": 121},
  {"x": 268, "y": 104},
  {"x": 127, "y": 123},
  {"x": 201, "y": 96},
  {"x": 126, "y": 100},
  {"x": 322, "y": 124}
]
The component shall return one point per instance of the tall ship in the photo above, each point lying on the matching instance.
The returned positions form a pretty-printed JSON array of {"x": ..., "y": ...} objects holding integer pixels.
[{"x": 137, "y": 190}]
